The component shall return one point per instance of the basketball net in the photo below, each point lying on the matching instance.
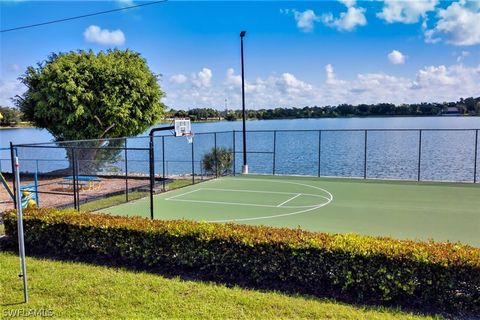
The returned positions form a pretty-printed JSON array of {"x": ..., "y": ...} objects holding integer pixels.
[{"x": 189, "y": 137}]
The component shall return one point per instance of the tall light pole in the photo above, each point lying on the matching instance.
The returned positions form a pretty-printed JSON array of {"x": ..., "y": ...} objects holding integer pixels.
[{"x": 245, "y": 165}]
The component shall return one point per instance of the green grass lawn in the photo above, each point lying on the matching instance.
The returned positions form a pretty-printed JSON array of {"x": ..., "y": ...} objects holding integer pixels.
[
  {"x": 111, "y": 201},
  {"x": 106, "y": 202},
  {"x": 76, "y": 290}
]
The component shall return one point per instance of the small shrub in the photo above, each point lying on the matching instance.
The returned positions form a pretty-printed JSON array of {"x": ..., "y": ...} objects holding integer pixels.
[
  {"x": 440, "y": 276},
  {"x": 218, "y": 161}
]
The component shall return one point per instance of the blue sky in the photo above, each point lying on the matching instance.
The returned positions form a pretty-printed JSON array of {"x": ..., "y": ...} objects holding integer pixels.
[{"x": 296, "y": 53}]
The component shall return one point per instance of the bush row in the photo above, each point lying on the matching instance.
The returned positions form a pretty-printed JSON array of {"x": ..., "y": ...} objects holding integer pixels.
[{"x": 442, "y": 276}]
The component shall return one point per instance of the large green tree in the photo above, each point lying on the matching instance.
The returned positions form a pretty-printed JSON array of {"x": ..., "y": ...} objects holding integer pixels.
[{"x": 83, "y": 95}]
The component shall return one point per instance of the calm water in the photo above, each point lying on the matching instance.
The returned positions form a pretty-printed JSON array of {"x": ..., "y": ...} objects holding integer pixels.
[{"x": 445, "y": 155}]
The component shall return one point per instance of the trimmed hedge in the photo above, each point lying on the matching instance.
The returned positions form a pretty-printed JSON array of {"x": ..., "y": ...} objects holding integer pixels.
[{"x": 439, "y": 276}]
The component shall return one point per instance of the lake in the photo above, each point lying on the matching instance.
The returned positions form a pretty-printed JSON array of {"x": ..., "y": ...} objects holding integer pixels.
[{"x": 445, "y": 155}]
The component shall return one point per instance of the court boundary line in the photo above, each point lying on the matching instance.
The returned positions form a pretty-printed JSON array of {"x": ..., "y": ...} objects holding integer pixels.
[
  {"x": 284, "y": 214},
  {"x": 258, "y": 191},
  {"x": 329, "y": 200},
  {"x": 245, "y": 203},
  {"x": 182, "y": 194}
]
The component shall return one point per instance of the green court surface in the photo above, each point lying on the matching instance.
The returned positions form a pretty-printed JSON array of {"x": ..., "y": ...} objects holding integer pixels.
[{"x": 404, "y": 210}]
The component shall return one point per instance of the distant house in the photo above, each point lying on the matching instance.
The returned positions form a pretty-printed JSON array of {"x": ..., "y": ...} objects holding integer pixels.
[{"x": 451, "y": 111}]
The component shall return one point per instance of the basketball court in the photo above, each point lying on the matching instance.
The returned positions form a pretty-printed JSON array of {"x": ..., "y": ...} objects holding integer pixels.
[{"x": 404, "y": 210}]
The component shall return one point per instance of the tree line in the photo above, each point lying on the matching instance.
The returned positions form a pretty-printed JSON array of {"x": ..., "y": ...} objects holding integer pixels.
[
  {"x": 10, "y": 117},
  {"x": 468, "y": 106}
]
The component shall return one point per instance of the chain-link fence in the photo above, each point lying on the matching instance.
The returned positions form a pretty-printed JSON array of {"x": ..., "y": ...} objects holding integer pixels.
[
  {"x": 394, "y": 154},
  {"x": 93, "y": 174}
]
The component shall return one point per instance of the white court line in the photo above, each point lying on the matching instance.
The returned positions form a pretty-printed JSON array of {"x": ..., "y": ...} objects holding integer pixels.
[
  {"x": 241, "y": 204},
  {"x": 329, "y": 199},
  {"x": 309, "y": 208},
  {"x": 253, "y": 191},
  {"x": 281, "y": 204},
  {"x": 271, "y": 192},
  {"x": 182, "y": 194}
]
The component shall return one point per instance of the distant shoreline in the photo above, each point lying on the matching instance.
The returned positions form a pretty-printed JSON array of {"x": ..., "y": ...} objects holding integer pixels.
[
  {"x": 19, "y": 127},
  {"x": 29, "y": 126},
  {"x": 336, "y": 117}
]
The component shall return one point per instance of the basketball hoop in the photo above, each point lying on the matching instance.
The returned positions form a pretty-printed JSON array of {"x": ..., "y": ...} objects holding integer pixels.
[{"x": 183, "y": 128}]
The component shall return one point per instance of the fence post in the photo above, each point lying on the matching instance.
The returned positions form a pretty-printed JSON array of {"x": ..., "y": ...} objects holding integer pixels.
[
  {"x": 126, "y": 171},
  {"x": 152, "y": 174},
  {"x": 35, "y": 181},
  {"x": 475, "y": 161},
  {"x": 419, "y": 153},
  {"x": 163, "y": 162},
  {"x": 193, "y": 164},
  {"x": 319, "y": 151},
  {"x": 274, "y": 149},
  {"x": 77, "y": 170},
  {"x": 365, "y": 157},
  {"x": 12, "y": 159},
  {"x": 215, "y": 153},
  {"x": 234, "y": 151},
  {"x": 74, "y": 179},
  {"x": 37, "y": 198}
]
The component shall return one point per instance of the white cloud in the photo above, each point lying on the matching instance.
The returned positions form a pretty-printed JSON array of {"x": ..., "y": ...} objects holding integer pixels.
[
  {"x": 463, "y": 55},
  {"x": 305, "y": 20},
  {"x": 396, "y": 57},
  {"x": 406, "y": 11},
  {"x": 435, "y": 76},
  {"x": 347, "y": 21},
  {"x": 100, "y": 36},
  {"x": 348, "y": 3},
  {"x": 431, "y": 83},
  {"x": 8, "y": 90},
  {"x": 330, "y": 74},
  {"x": 289, "y": 84},
  {"x": 234, "y": 82},
  {"x": 202, "y": 78},
  {"x": 331, "y": 78},
  {"x": 178, "y": 78},
  {"x": 458, "y": 24},
  {"x": 232, "y": 79}
]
